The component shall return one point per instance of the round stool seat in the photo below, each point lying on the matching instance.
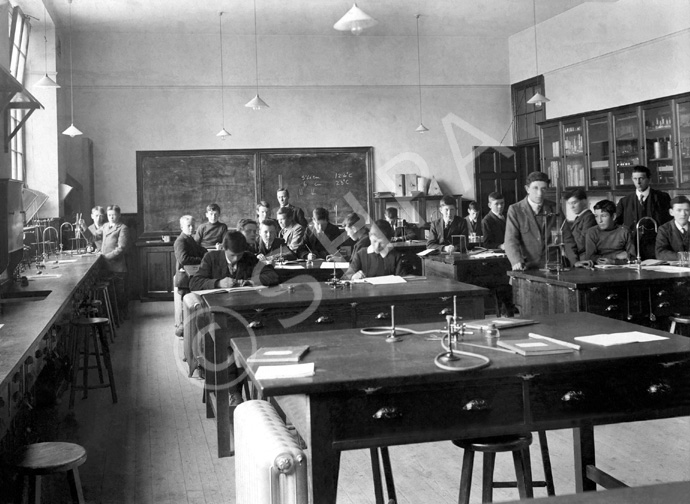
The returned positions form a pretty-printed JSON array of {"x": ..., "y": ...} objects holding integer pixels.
[
  {"x": 87, "y": 321},
  {"x": 680, "y": 319},
  {"x": 496, "y": 444},
  {"x": 48, "y": 458}
]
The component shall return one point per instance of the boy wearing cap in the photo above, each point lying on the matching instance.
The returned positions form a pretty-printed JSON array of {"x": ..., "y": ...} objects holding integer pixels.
[{"x": 233, "y": 266}]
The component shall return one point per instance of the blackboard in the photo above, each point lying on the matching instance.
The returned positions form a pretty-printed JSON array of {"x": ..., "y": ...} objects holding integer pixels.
[
  {"x": 171, "y": 184},
  {"x": 174, "y": 183},
  {"x": 339, "y": 180}
]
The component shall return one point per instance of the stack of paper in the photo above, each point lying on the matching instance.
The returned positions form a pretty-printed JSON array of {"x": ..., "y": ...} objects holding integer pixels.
[
  {"x": 619, "y": 338},
  {"x": 285, "y": 371}
]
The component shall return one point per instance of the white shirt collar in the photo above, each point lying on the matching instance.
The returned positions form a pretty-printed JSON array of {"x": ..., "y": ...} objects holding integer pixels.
[
  {"x": 643, "y": 193},
  {"x": 533, "y": 205},
  {"x": 386, "y": 250},
  {"x": 680, "y": 228}
]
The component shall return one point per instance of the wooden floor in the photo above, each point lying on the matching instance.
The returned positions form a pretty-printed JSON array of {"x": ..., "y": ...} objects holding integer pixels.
[{"x": 156, "y": 445}]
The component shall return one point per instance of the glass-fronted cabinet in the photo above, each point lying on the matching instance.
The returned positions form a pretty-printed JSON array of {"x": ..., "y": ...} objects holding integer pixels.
[
  {"x": 626, "y": 134},
  {"x": 683, "y": 118},
  {"x": 658, "y": 127},
  {"x": 574, "y": 154},
  {"x": 599, "y": 151},
  {"x": 551, "y": 150}
]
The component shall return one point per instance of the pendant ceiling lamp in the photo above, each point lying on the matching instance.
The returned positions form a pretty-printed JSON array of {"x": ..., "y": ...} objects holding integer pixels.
[
  {"x": 421, "y": 128},
  {"x": 355, "y": 21},
  {"x": 72, "y": 130},
  {"x": 256, "y": 103},
  {"x": 538, "y": 99},
  {"x": 45, "y": 81},
  {"x": 223, "y": 133}
]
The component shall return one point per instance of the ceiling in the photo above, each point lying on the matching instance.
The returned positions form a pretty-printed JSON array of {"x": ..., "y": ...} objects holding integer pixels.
[{"x": 476, "y": 18}]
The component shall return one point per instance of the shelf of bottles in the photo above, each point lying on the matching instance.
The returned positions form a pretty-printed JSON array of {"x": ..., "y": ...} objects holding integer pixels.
[
  {"x": 658, "y": 125},
  {"x": 683, "y": 113},
  {"x": 551, "y": 140},
  {"x": 574, "y": 154},
  {"x": 599, "y": 151},
  {"x": 626, "y": 129}
]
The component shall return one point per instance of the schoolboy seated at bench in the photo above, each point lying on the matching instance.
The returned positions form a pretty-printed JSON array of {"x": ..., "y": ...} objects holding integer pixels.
[
  {"x": 401, "y": 231},
  {"x": 210, "y": 234},
  {"x": 322, "y": 238},
  {"x": 233, "y": 266},
  {"x": 379, "y": 258},
  {"x": 271, "y": 247},
  {"x": 674, "y": 236},
  {"x": 607, "y": 242}
]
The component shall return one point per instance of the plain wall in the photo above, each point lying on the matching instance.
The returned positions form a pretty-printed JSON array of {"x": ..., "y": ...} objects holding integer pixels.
[
  {"x": 603, "y": 55},
  {"x": 161, "y": 91}
]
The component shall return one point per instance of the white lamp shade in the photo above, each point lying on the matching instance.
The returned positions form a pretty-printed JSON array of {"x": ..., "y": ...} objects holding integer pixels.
[
  {"x": 64, "y": 190},
  {"x": 256, "y": 103},
  {"x": 421, "y": 128},
  {"x": 355, "y": 20},
  {"x": 538, "y": 100},
  {"x": 46, "y": 82},
  {"x": 72, "y": 131},
  {"x": 223, "y": 134}
]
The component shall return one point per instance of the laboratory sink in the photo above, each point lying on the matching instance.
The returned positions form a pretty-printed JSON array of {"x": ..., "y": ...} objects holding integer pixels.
[{"x": 23, "y": 295}]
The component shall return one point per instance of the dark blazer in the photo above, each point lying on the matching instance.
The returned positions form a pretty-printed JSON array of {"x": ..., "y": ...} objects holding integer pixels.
[
  {"x": 493, "y": 231},
  {"x": 523, "y": 239},
  {"x": 116, "y": 242},
  {"x": 579, "y": 228},
  {"x": 362, "y": 243},
  {"x": 187, "y": 251},
  {"x": 273, "y": 251},
  {"x": 214, "y": 267},
  {"x": 439, "y": 237},
  {"x": 332, "y": 238},
  {"x": 669, "y": 242},
  {"x": 656, "y": 206},
  {"x": 476, "y": 228},
  {"x": 374, "y": 265}
]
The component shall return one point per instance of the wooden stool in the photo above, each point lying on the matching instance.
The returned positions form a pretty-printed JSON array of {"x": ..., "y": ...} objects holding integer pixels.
[
  {"x": 89, "y": 330},
  {"x": 678, "y": 319},
  {"x": 387, "y": 473},
  {"x": 109, "y": 280},
  {"x": 40, "y": 459},
  {"x": 517, "y": 444},
  {"x": 101, "y": 291}
]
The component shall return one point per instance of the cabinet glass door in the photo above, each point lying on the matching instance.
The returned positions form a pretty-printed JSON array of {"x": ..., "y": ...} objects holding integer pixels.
[
  {"x": 551, "y": 155},
  {"x": 626, "y": 131},
  {"x": 659, "y": 143},
  {"x": 683, "y": 111},
  {"x": 574, "y": 154},
  {"x": 599, "y": 151}
]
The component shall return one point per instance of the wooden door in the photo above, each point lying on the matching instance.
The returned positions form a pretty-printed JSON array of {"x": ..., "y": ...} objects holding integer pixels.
[{"x": 495, "y": 169}]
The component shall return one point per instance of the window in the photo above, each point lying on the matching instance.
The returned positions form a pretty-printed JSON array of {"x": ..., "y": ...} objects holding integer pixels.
[
  {"x": 526, "y": 116},
  {"x": 19, "y": 43}
]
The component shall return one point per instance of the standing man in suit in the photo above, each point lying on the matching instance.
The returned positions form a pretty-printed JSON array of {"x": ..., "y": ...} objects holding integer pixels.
[
  {"x": 283, "y": 196},
  {"x": 494, "y": 223},
  {"x": 116, "y": 242},
  {"x": 529, "y": 225},
  {"x": 644, "y": 202},
  {"x": 441, "y": 232},
  {"x": 584, "y": 219}
]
